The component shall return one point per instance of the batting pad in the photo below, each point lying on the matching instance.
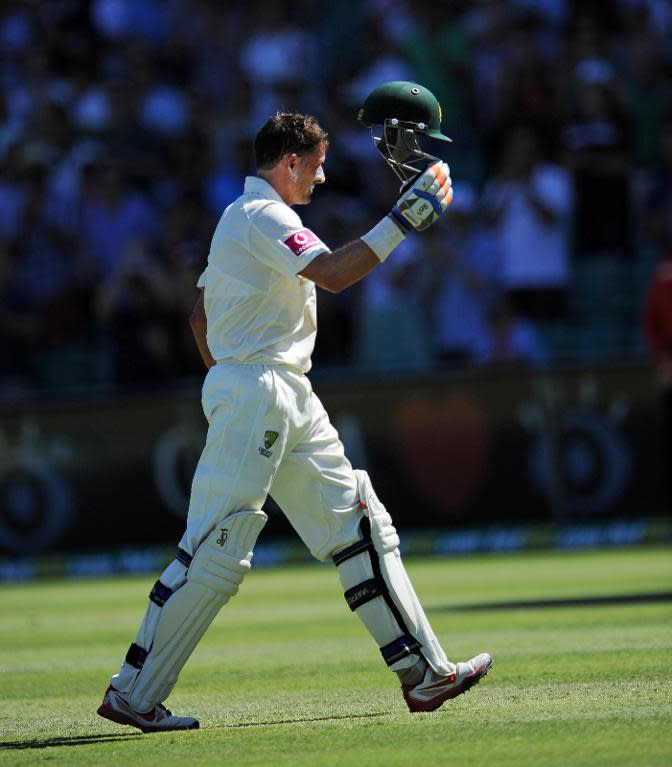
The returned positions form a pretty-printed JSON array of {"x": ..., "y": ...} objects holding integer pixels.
[
  {"x": 216, "y": 571},
  {"x": 379, "y": 590},
  {"x": 172, "y": 579}
]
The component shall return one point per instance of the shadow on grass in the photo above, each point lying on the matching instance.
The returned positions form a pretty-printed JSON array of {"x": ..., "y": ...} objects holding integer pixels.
[
  {"x": 86, "y": 740},
  {"x": 521, "y": 604},
  {"x": 303, "y": 720},
  {"x": 75, "y": 740}
]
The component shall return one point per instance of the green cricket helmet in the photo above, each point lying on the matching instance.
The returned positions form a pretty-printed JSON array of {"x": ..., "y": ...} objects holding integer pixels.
[{"x": 406, "y": 111}]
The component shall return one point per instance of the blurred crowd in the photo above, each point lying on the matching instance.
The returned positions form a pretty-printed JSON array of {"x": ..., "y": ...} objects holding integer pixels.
[{"x": 126, "y": 127}]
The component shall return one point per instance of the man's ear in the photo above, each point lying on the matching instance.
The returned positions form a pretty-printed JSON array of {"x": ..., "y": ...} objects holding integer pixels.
[{"x": 292, "y": 160}]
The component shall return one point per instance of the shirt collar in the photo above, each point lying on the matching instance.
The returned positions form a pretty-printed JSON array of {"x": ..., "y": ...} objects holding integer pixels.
[{"x": 257, "y": 185}]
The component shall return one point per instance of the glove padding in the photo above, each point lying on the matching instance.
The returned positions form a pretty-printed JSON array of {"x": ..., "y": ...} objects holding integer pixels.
[{"x": 429, "y": 196}]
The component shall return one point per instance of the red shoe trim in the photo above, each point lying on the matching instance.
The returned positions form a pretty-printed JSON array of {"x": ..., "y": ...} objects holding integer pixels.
[{"x": 441, "y": 683}]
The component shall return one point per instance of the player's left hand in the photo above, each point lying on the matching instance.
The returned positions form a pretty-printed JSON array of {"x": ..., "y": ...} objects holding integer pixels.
[{"x": 426, "y": 200}]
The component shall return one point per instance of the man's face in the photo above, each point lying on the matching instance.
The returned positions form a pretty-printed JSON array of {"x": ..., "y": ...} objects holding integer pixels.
[{"x": 306, "y": 172}]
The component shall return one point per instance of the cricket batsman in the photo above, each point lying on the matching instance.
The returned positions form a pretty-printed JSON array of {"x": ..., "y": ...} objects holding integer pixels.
[{"x": 268, "y": 433}]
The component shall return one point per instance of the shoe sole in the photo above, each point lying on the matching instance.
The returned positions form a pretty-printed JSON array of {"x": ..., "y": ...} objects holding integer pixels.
[
  {"x": 107, "y": 712},
  {"x": 418, "y": 706}
]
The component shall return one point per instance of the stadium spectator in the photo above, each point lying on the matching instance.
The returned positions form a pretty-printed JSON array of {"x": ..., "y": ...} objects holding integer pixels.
[
  {"x": 530, "y": 85},
  {"x": 598, "y": 143},
  {"x": 42, "y": 307},
  {"x": 12, "y": 193},
  {"x": 385, "y": 61},
  {"x": 134, "y": 305},
  {"x": 278, "y": 58},
  {"x": 529, "y": 203},
  {"x": 647, "y": 89},
  {"x": 114, "y": 218},
  {"x": 509, "y": 340},
  {"x": 391, "y": 331},
  {"x": 464, "y": 282},
  {"x": 438, "y": 48}
]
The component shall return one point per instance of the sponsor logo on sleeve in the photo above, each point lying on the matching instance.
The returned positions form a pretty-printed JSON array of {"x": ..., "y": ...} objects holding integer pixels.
[{"x": 302, "y": 241}]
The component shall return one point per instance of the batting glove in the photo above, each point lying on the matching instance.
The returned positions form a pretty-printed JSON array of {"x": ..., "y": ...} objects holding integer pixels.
[{"x": 425, "y": 201}]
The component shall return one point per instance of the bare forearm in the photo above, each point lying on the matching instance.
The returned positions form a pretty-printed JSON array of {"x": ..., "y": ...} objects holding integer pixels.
[
  {"x": 341, "y": 268},
  {"x": 421, "y": 205},
  {"x": 202, "y": 344},
  {"x": 199, "y": 327}
]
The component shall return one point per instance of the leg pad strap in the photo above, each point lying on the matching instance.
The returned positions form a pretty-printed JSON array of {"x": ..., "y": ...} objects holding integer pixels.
[
  {"x": 160, "y": 594},
  {"x": 400, "y": 648},
  {"x": 183, "y": 557},
  {"x": 359, "y": 547},
  {"x": 216, "y": 571},
  {"x": 377, "y": 587},
  {"x": 360, "y": 563},
  {"x": 364, "y": 592},
  {"x": 136, "y": 655}
]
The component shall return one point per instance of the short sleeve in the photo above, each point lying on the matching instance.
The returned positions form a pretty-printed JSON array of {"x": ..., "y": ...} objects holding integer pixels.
[{"x": 279, "y": 239}]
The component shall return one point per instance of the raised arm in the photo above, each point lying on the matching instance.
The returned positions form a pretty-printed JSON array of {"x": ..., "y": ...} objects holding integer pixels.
[
  {"x": 341, "y": 268},
  {"x": 419, "y": 207}
]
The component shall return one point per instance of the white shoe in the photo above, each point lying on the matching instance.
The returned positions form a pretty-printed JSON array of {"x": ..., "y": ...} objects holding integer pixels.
[
  {"x": 434, "y": 690},
  {"x": 159, "y": 719}
]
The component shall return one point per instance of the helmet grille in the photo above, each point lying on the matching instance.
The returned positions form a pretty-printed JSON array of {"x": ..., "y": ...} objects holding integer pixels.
[{"x": 399, "y": 146}]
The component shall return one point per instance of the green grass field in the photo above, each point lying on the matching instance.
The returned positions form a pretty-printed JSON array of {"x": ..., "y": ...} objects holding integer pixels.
[{"x": 287, "y": 675}]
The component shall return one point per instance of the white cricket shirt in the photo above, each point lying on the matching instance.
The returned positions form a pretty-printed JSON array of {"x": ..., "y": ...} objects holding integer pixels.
[{"x": 259, "y": 310}]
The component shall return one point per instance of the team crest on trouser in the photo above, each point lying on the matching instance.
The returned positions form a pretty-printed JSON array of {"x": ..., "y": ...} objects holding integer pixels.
[{"x": 269, "y": 440}]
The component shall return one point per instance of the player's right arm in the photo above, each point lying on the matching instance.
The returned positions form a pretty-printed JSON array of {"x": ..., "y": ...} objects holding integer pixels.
[
  {"x": 199, "y": 327},
  {"x": 419, "y": 207},
  {"x": 338, "y": 269}
]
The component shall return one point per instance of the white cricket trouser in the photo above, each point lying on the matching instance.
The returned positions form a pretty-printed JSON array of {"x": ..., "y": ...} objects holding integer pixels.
[{"x": 269, "y": 433}]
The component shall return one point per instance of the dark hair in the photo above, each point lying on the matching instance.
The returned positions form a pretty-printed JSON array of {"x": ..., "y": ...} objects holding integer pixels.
[{"x": 287, "y": 133}]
